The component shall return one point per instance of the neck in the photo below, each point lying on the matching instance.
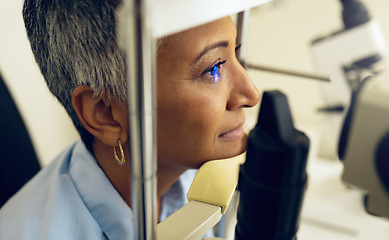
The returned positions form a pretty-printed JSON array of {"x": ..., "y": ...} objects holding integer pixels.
[{"x": 120, "y": 175}]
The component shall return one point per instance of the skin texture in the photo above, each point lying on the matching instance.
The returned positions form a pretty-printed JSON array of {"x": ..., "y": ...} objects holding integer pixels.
[
  {"x": 191, "y": 105},
  {"x": 201, "y": 92}
]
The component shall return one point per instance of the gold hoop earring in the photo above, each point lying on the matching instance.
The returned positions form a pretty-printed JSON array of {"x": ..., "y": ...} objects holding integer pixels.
[{"x": 122, "y": 159}]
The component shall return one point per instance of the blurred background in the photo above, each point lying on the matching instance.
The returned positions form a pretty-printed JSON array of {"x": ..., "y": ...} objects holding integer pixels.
[{"x": 280, "y": 35}]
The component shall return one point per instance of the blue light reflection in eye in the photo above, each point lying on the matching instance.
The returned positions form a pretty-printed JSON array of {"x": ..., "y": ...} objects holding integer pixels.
[{"x": 215, "y": 73}]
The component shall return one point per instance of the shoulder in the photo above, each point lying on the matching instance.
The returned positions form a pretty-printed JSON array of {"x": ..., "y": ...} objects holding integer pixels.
[{"x": 48, "y": 206}]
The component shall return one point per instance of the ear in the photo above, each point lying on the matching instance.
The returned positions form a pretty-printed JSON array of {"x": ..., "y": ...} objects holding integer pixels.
[{"x": 106, "y": 121}]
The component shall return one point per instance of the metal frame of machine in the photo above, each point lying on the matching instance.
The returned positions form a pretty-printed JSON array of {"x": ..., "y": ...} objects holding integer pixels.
[{"x": 140, "y": 23}]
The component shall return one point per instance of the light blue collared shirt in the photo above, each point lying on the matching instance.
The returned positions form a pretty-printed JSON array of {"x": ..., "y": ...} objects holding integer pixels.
[{"x": 72, "y": 198}]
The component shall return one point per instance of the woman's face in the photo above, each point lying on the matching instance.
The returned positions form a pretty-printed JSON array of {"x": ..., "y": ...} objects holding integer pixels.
[{"x": 201, "y": 92}]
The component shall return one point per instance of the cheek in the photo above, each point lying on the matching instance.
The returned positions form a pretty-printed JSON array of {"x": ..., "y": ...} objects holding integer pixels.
[{"x": 188, "y": 126}]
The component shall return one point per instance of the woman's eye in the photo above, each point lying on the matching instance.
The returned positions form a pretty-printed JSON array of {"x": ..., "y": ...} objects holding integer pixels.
[{"x": 214, "y": 72}]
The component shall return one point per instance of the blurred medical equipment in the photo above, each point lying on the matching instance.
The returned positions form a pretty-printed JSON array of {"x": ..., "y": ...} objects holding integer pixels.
[
  {"x": 273, "y": 178},
  {"x": 364, "y": 143},
  {"x": 289, "y": 72},
  {"x": 242, "y": 24},
  {"x": 345, "y": 55},
  {"x": 364, "y": 140}
]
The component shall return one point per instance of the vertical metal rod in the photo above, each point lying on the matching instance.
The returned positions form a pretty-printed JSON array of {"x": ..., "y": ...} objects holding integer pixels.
[
  {"x": 140, "y": 61},
  {"x": 241, "y": 37}
]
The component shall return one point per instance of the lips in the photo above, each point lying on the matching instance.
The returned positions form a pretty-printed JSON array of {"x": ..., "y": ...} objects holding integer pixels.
[{"x": 234, "y": 134}]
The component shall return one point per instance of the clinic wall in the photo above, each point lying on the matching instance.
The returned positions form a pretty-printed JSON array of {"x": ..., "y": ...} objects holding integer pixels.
[{"x": 279, "y": 35}]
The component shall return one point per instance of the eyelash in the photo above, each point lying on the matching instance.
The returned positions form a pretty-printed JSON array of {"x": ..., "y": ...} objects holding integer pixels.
[{"x": 213, "y": 71}]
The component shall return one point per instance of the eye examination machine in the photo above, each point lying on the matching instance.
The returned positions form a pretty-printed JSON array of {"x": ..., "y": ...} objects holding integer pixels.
[
  {"x": 272, "y": 178},
  {"x": 323, "y": 174}
]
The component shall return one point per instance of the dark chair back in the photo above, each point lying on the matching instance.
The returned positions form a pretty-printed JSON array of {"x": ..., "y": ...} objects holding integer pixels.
[{"x": 18, "y": 161}]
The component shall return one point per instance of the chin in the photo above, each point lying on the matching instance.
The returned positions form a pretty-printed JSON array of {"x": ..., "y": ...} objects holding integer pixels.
[
  {"x": 228, "y": 150},
  {"x": 235, "y": 153},
  {"x": 234, "y": 149}
]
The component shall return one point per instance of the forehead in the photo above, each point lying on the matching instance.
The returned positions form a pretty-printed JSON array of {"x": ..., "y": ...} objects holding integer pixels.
[{"x": 192, "y": 41}]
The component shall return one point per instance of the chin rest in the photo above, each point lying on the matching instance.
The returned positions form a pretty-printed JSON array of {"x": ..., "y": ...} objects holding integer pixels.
[
  {"x": 216, "y": 181},
  {"x": 208, "y": 199}
]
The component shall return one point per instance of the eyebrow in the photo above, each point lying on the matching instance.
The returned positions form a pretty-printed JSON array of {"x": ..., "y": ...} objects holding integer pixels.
[{"x": 211, "y": 47}]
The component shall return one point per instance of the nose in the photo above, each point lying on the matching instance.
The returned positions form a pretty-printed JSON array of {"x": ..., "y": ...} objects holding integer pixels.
[{"x": 243, "y": 92}]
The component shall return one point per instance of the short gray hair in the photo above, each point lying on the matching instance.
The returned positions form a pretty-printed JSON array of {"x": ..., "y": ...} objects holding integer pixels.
[{"x": 75, "y": 43}]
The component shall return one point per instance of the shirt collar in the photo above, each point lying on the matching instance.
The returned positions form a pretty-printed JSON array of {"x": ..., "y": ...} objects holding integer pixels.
[
  {"x": 103, "y": 201},
  {"x": 105, "y": 204}
]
